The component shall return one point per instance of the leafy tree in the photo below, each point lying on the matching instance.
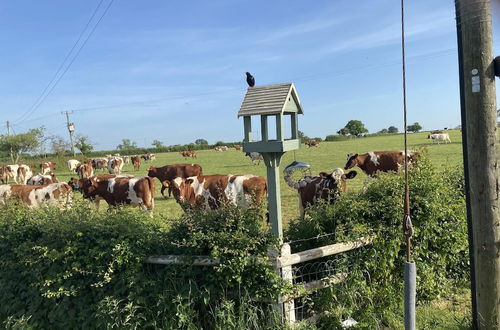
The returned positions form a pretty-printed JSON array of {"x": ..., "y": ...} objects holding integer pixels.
[
  {"x": 414, "y": 128},
  {"x": 353, "y": 127},
  {"x": 157, "y": 144},
  {"x": 83, "y": 144},
  {"x": 200, "y": 142},
  {"x": 19, "y": 143},
  {"x": 126, "y": 145},
  {"x": 392, "y": 129},
  {"x": 383, "y": 131},
  {"x": 58, "y": 145}
]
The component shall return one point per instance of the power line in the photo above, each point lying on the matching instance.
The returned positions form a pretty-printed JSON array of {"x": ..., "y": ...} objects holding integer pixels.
[{"x": 36, "y": 105}]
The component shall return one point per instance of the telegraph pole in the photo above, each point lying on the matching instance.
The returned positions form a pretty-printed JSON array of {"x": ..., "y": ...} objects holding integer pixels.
[
  {"x": 8, "y": 134},
  {"x": 8, "y": 127},
  {"x": 479, "y": 129},
  {"x": 71, "y": 129}
]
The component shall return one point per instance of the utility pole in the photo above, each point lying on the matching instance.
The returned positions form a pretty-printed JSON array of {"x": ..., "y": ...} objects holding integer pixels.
[
  {"x": 479, "y": 129},
  {"x": 8, "y": 134},
  {"x": 71, "y": 129},
  {"x": 8, "y": 127}
]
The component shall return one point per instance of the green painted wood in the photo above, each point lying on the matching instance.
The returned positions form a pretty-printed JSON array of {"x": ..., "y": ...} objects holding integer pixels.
[
  {"x": 295, "y": 126},
  {"x": 263, "y": 128},
  {"x": 280, "y": 136},
  {"x": 271, "y": 146},
  {"x": 272, "y": 161},
  {"x": 247, "y": 122}
]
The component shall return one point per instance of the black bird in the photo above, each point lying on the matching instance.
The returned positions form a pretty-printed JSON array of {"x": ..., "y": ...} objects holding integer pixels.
[{"x": 250, "y": 79}]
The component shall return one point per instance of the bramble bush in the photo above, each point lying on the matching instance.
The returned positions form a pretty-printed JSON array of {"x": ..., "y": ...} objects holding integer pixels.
[
  {"x": 373, "y": 292},
  {"x": 77, "y": 268}
]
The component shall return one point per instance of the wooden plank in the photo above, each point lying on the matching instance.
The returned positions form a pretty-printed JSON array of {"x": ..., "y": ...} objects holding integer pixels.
[
  {"x": 303, "y": 289},
  {"x": 182, "y": 260},
  {"x": 323, "y": 251},
  {"x": 287, "y": 275}
]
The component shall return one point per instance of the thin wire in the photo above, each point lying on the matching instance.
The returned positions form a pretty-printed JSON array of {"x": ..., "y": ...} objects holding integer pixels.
[
  {"x": 63, "y": 62},
  {"x": 72, "y": 60},
  {"x": 407, "y": 226}
]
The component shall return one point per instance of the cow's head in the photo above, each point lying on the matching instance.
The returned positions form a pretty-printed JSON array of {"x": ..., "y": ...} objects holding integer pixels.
[
  {"x": 182, "y": 190},
  {"x": 76, "y": 184},
  {"x": 89, "y": 187},
  {"x": 152, "y": 172},
  {"x": 352, "y": 160}
]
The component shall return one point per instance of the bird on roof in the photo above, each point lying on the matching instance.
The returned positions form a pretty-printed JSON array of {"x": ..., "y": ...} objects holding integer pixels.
[{"x": 250, "y": 79}]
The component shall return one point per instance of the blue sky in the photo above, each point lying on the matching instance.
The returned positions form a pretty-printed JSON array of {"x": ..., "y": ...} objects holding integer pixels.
[{"x": 174, "y": 71}]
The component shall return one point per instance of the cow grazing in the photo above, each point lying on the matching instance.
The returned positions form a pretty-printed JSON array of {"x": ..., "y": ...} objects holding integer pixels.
[
  {"x": 47, "y": 167},
  {"x": 55, "y": 194},
  {"x": 221, "y": 148},
  {"x": 435, "y": 132},
  {"x": 444, "y": 137},
  {"x": 42, "y": 180},
  {"x": 168, "y": 173},
  {"x": 126, "y": 159},
  {"x": 312, "y": 143},
  {"x": 12, "y": 172},
  {"x": 100, "y": 163},
  {"x": 379, "y": 161},
  {"x": 136, "y": 161},
  {"x": 212, "y": 191},
  {"x": 237, "y": 147},
  {"x": 148, "y": 157},
  {"x": 24, "y": 172},
  {"x": 325, "y": 187},
  {"x": 115, "y": 165},
  {"x": 189, "y": 153},
  {"x": 120, "y": 190},
  {"x": 73, "y": 165},
  {"x": 85, "y": 170},
  {"x": 255, "y": 157}
]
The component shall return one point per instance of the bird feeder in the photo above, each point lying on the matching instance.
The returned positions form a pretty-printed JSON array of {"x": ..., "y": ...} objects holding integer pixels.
[{"x": 280, "y": 101}]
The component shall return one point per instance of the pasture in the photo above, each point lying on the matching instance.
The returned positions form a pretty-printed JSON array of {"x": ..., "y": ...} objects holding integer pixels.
[{"x": 327, "y": 156}]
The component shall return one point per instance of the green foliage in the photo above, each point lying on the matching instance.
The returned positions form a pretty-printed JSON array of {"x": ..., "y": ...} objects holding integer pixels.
[
  {"x": 127, "y": 145},
  {"x": 59, "y": 145},
  {"x": 67, "y": 269},
  {"x": 21, "y": 143},
  {"x": 353, "y": 127},
  {"x": 372, "y": 294},
  {"x": 392, "y": 129},
  {"x": 414, "y": 128},
  {"x": 383, "y": 131},
  {"x": 157, "y": 144},
  {"x": 83, "y": 144},
  {"x": 200, "y": 141},
  {"x": 334, "y": 137}
]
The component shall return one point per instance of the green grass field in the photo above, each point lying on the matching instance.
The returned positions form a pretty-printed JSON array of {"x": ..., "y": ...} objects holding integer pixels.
[{"x": 326, "y": 157}]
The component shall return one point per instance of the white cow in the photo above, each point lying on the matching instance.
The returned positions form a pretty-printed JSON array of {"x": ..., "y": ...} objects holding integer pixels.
[
  {"x": 115, "y": 165},
  {"x": 73, "y": 165},
  {"x": 12, "y": 171},
  {"x": 24, "y": 172},
  {"x": 41, "y": 180},
  {"x": 440, "y": 137}
]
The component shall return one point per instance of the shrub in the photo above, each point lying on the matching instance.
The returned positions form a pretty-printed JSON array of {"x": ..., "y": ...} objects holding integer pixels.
[
  {"x": 376, "y": 273},
  {"x": 81, "y": 269}
]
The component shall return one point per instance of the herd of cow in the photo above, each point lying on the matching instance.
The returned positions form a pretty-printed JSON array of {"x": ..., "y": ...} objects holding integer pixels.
[{"x": 186, "y": 182}]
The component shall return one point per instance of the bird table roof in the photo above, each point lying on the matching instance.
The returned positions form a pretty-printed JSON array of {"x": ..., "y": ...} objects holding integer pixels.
[{"x": 270, "y": 100}]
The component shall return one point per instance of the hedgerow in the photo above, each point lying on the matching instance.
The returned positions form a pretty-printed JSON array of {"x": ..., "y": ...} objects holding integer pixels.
[
  {"x": 373, "y": 291},
  {"x": 67, "y": 269}
]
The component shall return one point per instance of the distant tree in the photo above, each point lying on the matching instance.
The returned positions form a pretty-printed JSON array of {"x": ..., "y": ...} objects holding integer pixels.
[
  {"x": 83, "y": 144},
  {"x": 220, "y": 143},
  {"x": 19, "y": 143},
  {"x": 127, "y": 145},
  {"x": 392, "y": 129},
  {"x": 353, "y": 127},
  {"x": 157, "y": 144},
  {"x": 383, "y": 131},
  {"x": 414, "y": 128},
  {"x": 200, "y": 142},
  {"x": 58, "y": 145}
]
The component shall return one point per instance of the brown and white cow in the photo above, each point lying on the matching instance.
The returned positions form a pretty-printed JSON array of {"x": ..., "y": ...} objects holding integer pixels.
[
  {"x": 212, "y": 191},
  {"x": 120, "y": 190},
  {"x": 24, "y": 172},
  {"x": 85, "y": 170},
  {"x": 312, "y": 143},
  {"x": 55, "y": 194},
  {"x": 237, "y": 147},
  {"x": 47, "y": 167},
  {"x": 325, "y": 187},
  {"x": 379, "y": 161},
  {"x": 100, "y": 163},
  {"x": 126, "y": 159},
  {"x": 4, "y": 177},
  {"x": 136, "y": 162},
  {"x": 169, "y": 172},
  {"x": 189, "y": 153},
  {"x": 42, "y": 180},
  {"x": 12, "y": 171},
  {"x": 148, "y": 157},
  {"x": 115, "y": 165},
  {"x": 73, "y": 165}
]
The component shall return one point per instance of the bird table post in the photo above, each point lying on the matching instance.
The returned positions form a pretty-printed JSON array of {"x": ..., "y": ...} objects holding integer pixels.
[{"x": 281, "y": 101}]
